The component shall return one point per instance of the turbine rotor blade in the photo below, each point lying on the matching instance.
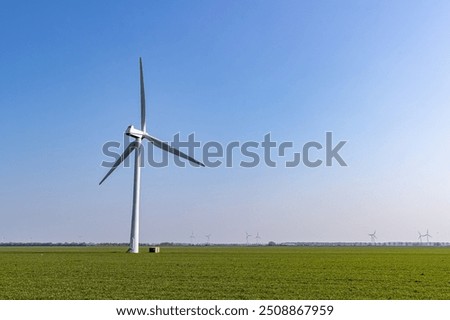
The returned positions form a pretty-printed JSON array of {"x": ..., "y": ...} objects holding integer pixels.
[
  {"x": 119, "y": 160},
  {"x": 143, "y": 126},
  {"x": 164, "y": 146}
]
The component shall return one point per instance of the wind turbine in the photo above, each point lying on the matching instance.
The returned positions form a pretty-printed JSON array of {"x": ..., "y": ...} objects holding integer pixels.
[
  {"x": 427, "y": 235},
  {"x": 208, "y": 236},
  {"x": 373, "y": 237},
  {"x": 257, "y": 237},
  {"x": 420, "y": 236},
  {"x": 247, "y": 235},
  {"x": 192, "y": 236},
  {"x": 136, "y": 146}
]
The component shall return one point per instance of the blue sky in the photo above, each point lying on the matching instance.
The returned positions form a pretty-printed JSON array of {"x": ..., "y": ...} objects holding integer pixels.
[{"x": 376, "y": 74}]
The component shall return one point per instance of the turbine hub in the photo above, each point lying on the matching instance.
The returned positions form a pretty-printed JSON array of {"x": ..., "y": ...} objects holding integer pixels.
[{"x": 135, "y": 133}]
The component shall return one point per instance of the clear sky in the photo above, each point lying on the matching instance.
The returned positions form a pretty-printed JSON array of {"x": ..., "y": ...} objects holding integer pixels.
[{"x": 375, "y": 73}]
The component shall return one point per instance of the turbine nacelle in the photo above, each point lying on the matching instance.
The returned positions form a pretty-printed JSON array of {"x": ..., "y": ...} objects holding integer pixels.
[{"x": 135, "y": 133}]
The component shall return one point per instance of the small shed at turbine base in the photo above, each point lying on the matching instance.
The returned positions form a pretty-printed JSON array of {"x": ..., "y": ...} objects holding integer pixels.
[{"x": 153, "y": 250}]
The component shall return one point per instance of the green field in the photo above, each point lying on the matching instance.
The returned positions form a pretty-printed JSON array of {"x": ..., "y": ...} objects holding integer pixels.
[{"x": 225, "y": 273}]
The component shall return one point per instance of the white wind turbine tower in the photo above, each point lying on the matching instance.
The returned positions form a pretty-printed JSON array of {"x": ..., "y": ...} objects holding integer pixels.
[
  {"x": 208, "y": 236},
  {"x": 192, "y": 236},
  {"x": 136, "y": 145},
  {"x": 373, "y": 237},
  {"x": 247, "y": 235}
]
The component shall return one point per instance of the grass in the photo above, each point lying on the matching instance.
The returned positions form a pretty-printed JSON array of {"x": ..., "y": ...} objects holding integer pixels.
[{"x": 225, "y": 273}]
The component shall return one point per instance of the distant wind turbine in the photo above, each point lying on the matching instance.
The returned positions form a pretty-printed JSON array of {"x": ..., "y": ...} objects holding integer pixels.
[
  {"x": 373, "y": 237},
  {"x": 247, "y": 235},
  {"x": 192, "y": 236},
  {"x": 208, "y": 236},
  {"x": 420, "y": 236},
  {"x": 136, "y": 145},
  {"x": 427, "y": 235},
  {"x": 257, "y": 237}
]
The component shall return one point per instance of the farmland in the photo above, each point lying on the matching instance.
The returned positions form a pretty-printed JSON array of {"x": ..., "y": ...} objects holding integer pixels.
[{"x": 225, "y": 273}]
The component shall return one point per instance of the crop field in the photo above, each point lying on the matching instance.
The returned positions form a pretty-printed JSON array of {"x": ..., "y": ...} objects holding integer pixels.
[{"x": 225, "y": 273}]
